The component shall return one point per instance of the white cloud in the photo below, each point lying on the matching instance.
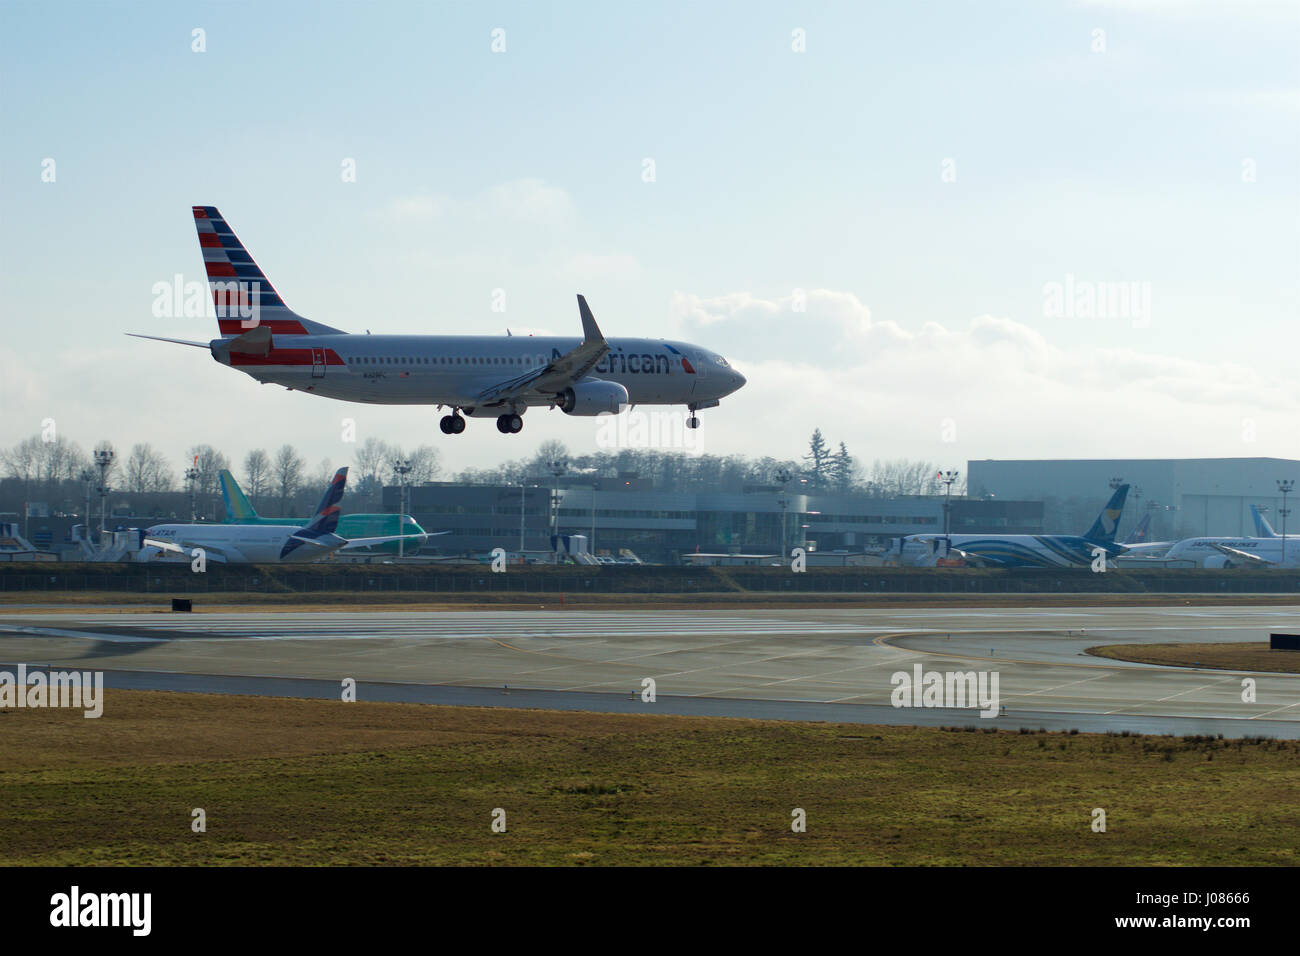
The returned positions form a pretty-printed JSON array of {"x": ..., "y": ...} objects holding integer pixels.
[{"x": 1009, "y": 391}]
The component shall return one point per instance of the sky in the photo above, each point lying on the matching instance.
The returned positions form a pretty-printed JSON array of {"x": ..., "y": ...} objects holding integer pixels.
[{"x": 891, "y": 217}]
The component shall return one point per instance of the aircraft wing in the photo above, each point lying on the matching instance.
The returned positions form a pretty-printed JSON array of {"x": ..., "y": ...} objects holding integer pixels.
[
  {"x": 559, "y": 373},
  {"x": 1253, "y": 559},
  {"x": 183, "y": 549},
  {"x": 386, "y": 539},
  {"x": 955, "y": 557}
]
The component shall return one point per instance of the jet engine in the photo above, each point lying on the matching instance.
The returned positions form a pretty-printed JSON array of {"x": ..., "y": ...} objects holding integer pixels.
[{"x": 592, "y": 398}]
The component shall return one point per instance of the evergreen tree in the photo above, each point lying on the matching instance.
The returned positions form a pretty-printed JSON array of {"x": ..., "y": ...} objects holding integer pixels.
[{"x": 818, "y": 458}]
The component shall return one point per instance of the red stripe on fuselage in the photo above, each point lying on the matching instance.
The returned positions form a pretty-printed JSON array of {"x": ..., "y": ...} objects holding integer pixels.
[{"x": 294, "y": 357}]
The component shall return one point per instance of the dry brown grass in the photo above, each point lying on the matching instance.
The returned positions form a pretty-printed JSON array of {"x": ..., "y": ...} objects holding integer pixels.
[
  {"x": 1233, "y": 657},
  {"x": 309, "y": 782}
]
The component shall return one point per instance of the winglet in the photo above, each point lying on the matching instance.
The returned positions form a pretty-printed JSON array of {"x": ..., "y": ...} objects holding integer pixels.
[{"x": 590, "y": 330}]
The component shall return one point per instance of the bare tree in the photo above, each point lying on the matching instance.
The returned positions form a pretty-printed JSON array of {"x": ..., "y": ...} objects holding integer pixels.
[
  {"x": 146, "y": 470},
  {"x": 286, "y": 474},
  {"x": 257, "y": 474},
  {"x": 210, "y": 463},
  {"x": 548, "y": 451},
  {"x": 23, "y": 461},
  {"x": 424, "y": 463},
  {"x": 370, "y": 459}
]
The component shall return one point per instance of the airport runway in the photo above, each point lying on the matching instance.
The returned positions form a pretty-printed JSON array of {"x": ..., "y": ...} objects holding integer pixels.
[{"x": 832, "y": 664}]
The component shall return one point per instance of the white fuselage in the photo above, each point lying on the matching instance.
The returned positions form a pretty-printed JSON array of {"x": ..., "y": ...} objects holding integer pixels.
[
  {"x": 235, "y": 543},
  {"x": 1203, "y": 549},
  {"x": 455, "y": 370},
  {"x": 1013, "y": 550}
]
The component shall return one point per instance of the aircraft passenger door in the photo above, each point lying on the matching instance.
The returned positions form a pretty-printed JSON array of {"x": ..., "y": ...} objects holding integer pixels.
[{"x": 317, "y": 363}]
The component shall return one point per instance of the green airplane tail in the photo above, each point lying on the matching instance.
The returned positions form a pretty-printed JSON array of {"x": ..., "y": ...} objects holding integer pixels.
[{"x": 237, "y": 506}]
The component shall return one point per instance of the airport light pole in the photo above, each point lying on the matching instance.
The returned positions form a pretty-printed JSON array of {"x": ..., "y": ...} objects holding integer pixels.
[
  {"x": 88, "y": 476},
  {"x": 557, "y": 468},
  {"x": 401, "y": 468},
  {"x": 521, "y": 521},
  {"x": 783, "y": 476},
  {"x": 947, "y": 477},
  {"x": 104, "y": 456},
  {"x": 1285, "y": 486},
  {"x": 192, "y": 476}
]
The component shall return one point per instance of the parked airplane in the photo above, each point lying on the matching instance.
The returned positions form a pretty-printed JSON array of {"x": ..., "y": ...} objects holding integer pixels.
[
  {"x": 1239, "y": 552},
  {"x": 1264, "y": 550},
  {"x": 261, "y": 544},
  {"x": 1021, "y": 550},
  {"x": 1137, "y": 536},
  {"x": 1138, "y": 550},
  {"x": 1262, "y": 528},
  {"x": 399, "y": 527},
  {"x": 481, "y": 376}
]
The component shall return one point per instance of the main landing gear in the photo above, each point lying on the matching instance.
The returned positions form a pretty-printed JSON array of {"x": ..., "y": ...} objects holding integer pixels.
[
  {"x": 510, "y": 424},
  {"x": 452, "y": 424}
]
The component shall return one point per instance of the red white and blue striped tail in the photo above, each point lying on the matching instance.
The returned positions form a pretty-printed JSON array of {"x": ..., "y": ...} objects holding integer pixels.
[{"x": 241, "y": 293}]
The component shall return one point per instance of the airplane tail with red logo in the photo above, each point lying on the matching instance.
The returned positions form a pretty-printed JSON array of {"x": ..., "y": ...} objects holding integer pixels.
[{"x": 241, "y": 293}]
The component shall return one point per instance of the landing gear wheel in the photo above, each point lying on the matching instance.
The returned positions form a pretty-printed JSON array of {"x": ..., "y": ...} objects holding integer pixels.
[
  {"x": 510, "y": 424},
  {"x": 516, "y": 424},
  {"x": 452, "y": 424},
  {"x": 692, "y": 422},
  {"x": 503, "y": 424}
]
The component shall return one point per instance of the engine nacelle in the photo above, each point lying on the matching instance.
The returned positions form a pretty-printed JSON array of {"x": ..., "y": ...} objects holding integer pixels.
[{"x": 593, "y": 398}]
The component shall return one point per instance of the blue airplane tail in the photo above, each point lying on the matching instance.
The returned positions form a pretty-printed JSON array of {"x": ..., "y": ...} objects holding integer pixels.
[
  {"x": 1139, "y": 534},
  {"x": 327, "y": 513},
  {"x": 1262, "y": 528},
  {"x": 1103, "y": 529}
]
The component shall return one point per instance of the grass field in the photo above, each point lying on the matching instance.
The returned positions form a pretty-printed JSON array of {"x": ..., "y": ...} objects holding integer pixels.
[
  {"x": 1233, "y": 657},
  {"x": 316, "y": 782}
]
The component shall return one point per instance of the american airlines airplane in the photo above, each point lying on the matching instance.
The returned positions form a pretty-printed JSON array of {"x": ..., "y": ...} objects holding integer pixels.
[
  {"x": 480, "y": 376},
  {"x": 263, "y": 544},
  {"x": 1020, "y": 550}
]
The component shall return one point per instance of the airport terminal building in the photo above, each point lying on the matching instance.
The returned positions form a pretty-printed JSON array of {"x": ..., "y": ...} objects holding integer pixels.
[
  {"x": 664, "y": 527},
  {"x": 1186, "y": 497}
]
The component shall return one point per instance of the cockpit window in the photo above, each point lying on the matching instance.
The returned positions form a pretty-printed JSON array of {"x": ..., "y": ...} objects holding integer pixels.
[{"x": 721, "y": 361}]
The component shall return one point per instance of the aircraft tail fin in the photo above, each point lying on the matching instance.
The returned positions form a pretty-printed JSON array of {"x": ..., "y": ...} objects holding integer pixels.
[
  {"x": 326, "y": 519},
  {"x": 1139, "y": 533},
  {"x": 1262, "y": 528},
  {"x": 1103, "y": 529},
  {"x": 241, "y": 293},
  {"x": 238, "y": 507}
]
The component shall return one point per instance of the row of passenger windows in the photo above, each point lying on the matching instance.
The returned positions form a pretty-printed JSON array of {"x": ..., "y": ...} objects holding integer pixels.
[{"x": 441, "y": 360}]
